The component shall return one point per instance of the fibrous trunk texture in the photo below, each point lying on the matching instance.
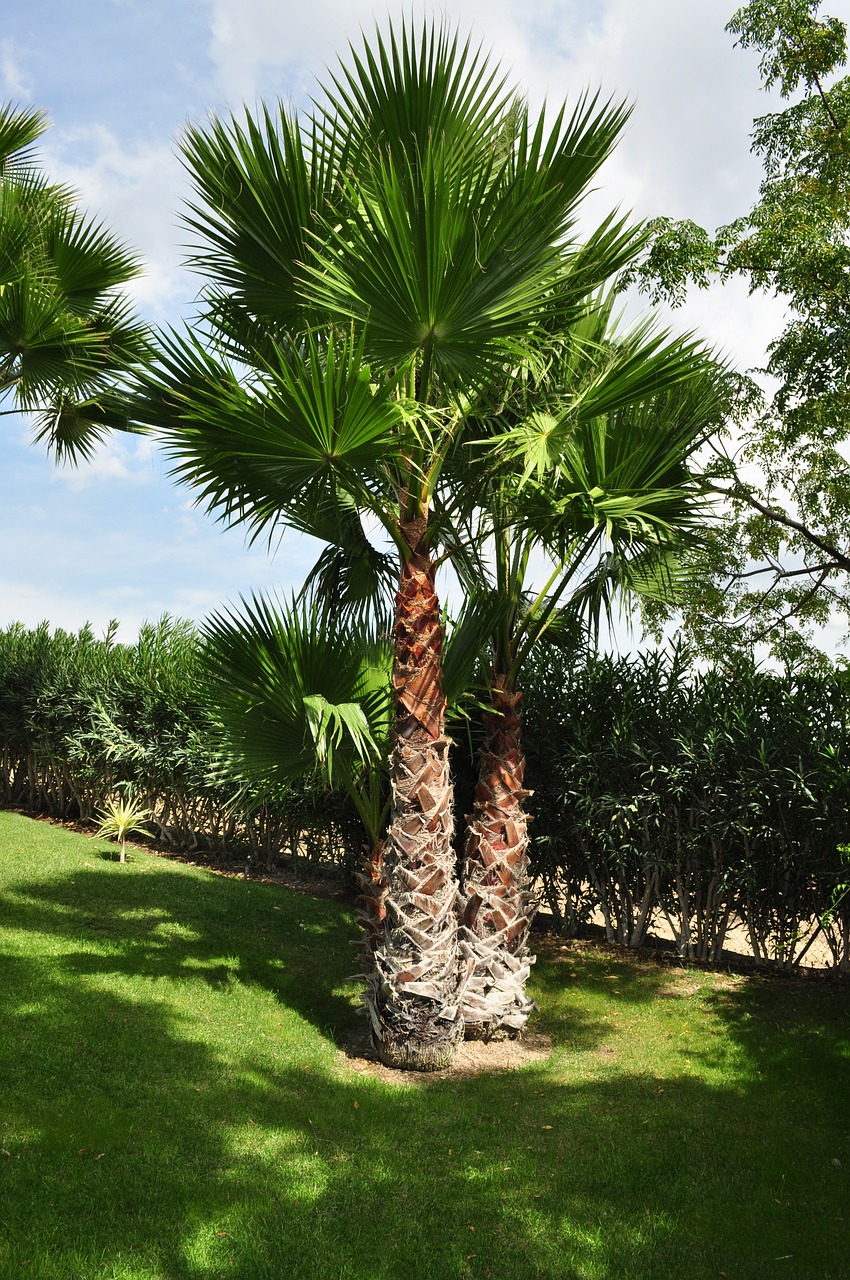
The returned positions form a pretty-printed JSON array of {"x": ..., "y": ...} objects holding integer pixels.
[
  {"x": 497, "y": 905},
  {"x": 410, "y": 887}
]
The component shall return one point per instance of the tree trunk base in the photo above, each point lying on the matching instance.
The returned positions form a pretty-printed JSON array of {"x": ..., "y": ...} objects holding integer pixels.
[{"x": 409, "y": 1054}]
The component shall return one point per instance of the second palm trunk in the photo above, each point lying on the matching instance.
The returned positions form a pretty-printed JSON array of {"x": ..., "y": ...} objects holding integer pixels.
[{"x": 497, "y": 903}]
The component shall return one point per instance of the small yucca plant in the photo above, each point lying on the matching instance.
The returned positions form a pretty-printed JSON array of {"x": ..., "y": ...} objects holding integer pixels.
[{"x": 120, "y": 819}]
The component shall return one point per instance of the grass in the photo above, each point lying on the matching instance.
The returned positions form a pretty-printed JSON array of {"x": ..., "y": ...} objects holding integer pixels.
[{"x": 174, "y": 1106}]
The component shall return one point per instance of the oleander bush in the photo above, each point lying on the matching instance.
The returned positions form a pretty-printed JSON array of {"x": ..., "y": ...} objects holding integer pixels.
[
  {"x": 694, "y": 800},
  {"x": 84, "y": 720},
  {"x": 700, "y": 799}
]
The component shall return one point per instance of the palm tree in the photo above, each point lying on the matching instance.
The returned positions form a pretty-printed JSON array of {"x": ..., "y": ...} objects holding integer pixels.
[
  {"x": 370, "y": 270},
  {"x": 66, "y": 332},
  {"x": 611, "y": 504}
]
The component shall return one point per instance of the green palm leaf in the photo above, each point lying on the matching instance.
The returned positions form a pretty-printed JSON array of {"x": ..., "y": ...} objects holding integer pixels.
[
  {"x": 307, "y": 430},
  {"x": 295, "y": 693},
  {"x": 454, "y": 252},
  {"x": 20, "y": 127},
  {"x": 617, "y": 376},
  {"x": 630, "y": 469},
  {"x": 265, "y": 187},
  {"x": 400, "y": 92},
  {"x": 67, "y": 336}
]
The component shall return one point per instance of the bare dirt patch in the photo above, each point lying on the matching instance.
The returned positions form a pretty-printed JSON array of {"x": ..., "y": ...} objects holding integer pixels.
[{"x": 473, "y": 1058}]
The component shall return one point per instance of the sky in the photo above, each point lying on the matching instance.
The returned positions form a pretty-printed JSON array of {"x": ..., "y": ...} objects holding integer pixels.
[{"x": 121, "y": 79}]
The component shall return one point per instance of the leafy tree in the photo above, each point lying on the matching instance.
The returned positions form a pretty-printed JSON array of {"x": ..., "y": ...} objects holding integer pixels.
[
  {"x": 780, "y": 560},
  {"x": 66, "y": 332},
  {"x": 371, "y": 271}
]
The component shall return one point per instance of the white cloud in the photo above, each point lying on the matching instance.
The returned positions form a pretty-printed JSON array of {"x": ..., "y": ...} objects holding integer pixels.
[
  {"x": 15, "y": 81},
  {"x": 694, "y": 97},
  {"x": 124, "y": 458},
  {"x": 137, "y": 193},
  {"x": 262, "y": 47}
]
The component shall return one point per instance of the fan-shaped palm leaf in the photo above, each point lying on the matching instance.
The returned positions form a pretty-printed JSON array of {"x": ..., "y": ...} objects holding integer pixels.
[
  {"x": 296, "y": 694},
  {"x": 265, "y": 188},
  {"x": 455, "y": 255},
  {"x": 307, "y": 431},
  {"x": 20, "y": 127}
]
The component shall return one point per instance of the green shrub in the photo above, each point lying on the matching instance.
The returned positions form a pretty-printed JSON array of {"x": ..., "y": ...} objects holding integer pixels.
[
  {"x": 691, "y": 797},
  {"x": 85, "y": 719}
]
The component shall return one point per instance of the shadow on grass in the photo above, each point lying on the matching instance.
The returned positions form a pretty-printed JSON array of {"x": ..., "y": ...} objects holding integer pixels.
[
  {"x": 162, "y": 923},
  {"x": 141, "y": 1150}
]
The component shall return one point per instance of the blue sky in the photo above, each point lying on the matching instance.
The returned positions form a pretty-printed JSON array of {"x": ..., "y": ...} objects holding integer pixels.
[{"x": 120, "y": 80}]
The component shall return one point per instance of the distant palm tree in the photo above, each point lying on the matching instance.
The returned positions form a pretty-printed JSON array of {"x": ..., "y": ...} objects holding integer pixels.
[
  {"x": 66, "y": 332},
  {"x": 370, "y": 271}
]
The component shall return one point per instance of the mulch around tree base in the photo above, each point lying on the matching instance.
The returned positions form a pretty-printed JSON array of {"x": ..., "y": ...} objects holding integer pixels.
[{"x": 473, "y": 1058}]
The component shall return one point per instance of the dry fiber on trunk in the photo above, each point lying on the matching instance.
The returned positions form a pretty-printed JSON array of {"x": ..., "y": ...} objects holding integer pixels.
[
  {"x": 497, "y": 903},
  {"x": 413, "y": 991}
]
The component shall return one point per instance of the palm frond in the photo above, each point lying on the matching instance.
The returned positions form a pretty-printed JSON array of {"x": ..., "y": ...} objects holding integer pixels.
[
  {"x": 309, "y": 426},
  {"x": 294, "y": 692},
  {"x": 20, "y": 127},
  {"x": 264, "y": 187},
  {"x": 352, "y": 581},
  {"x": 453, "y": 247},
  {"x": 88, "y": 260},
  {"x": 399, "y": 93},
  {"x": 640, "y": 369},
  {"x": 67, "y": 335},
  {"x": 468, "y": 641}
]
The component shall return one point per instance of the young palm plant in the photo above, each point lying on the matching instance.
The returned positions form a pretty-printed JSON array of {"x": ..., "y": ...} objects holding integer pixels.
[
  {"x": 122, "y": 818},
  {"x": 296, "y": 694},
  {"x": 369, "y": 270},
  {"x": 66, "y": 332}
]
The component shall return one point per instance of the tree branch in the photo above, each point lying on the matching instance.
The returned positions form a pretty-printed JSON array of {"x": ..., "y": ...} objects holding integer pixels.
[
  {"x": 792, "y": 612},
  {"x": 830, "y": 567},
  {"x": 842, "y": 560}
]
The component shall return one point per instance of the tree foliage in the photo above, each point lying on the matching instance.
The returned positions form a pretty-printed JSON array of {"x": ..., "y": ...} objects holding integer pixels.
[
  {"x": 693, "y": 801},
  {"x": 86, "y": 721},
  {"x": 780, "y": 560}
]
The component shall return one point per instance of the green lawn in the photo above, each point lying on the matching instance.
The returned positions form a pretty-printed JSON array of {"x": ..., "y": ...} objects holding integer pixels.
[{"x": 174, "y": 1106}]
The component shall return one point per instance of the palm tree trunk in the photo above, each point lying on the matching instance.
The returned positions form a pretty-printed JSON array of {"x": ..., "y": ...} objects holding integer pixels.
[
  {"x": 497, "y": 905},
  {"x": 413, "y": 992}
]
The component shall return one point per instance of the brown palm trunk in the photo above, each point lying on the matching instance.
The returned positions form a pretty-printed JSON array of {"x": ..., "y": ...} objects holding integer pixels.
[
  {"x": 413, "y": 992},
  {"x": 497, "y": 903}
]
